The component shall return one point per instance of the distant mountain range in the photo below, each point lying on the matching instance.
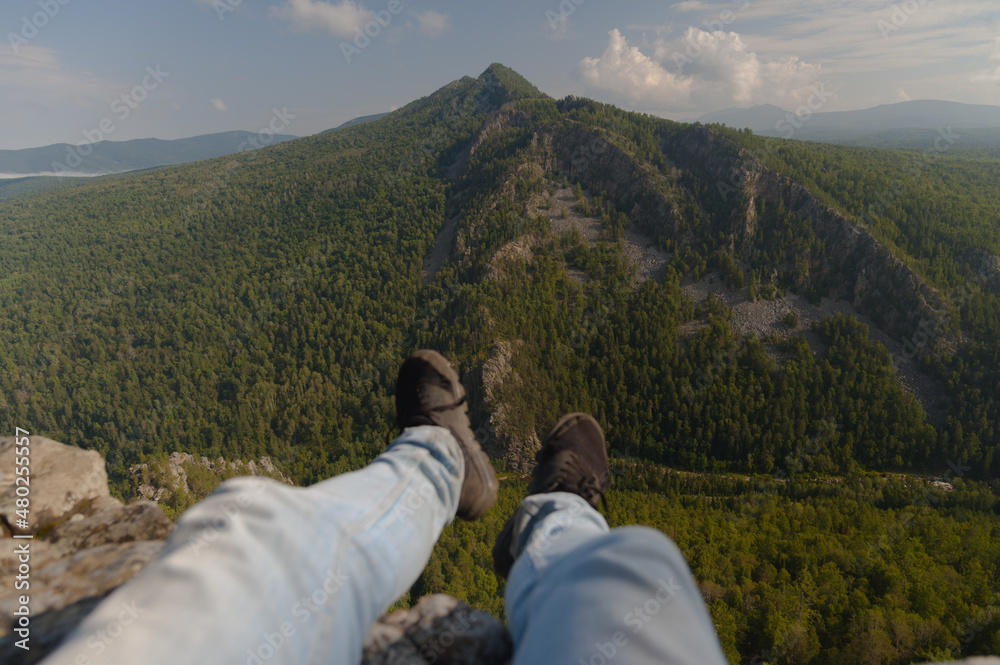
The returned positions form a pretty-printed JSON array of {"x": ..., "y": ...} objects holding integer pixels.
[
  {"x": 912, "y": 122},
  {"x": 106, "y": 157}
]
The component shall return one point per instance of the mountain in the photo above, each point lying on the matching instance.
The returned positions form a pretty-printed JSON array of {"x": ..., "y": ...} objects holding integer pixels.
[
  {"x": 118, "y": 156},
  {"x": 358, "y": 121},
  {"x": 13, "y": 187},
  {"x": 761, "y": 119},
  {"x": 792, "y": 347},
  {"x": 889, "y": 124}
]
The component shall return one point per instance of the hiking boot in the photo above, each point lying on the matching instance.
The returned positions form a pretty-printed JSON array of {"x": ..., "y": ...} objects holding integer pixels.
[
  {"x": 428, "y": 392},
  {"x": 573, "y": 459}
]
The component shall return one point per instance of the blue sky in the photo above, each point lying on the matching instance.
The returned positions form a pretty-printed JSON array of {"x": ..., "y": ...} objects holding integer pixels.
[{"x": 76, "y": 70}]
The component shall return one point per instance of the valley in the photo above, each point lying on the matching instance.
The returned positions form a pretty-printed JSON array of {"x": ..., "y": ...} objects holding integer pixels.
[{"x": 784, "y": 358}]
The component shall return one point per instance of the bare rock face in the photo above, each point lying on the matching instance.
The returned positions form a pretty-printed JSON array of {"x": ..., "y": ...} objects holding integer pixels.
[
  {"x": 987, "y": 267},
  {"x": 115, "y": 525},
  {"x": 868, "y": 275},
  {"x": 86, "y": 542},
  {"x": 598, "y": 159},
  {"x": 498, "y": 432},
  {"x": 62, "y": 478},
  {"x": 177, "y": 479},
  {"x": 438, "y": 629}
]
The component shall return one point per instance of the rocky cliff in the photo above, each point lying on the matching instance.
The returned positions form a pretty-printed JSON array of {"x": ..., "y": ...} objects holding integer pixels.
[
  {"x": 857, "y": 266},
  {"x": 86, "y": 542},
  {"x": 861, "y": 270}
]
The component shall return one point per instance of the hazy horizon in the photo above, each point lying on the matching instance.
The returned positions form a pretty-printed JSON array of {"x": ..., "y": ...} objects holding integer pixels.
[{"x": 240, "y": 62}]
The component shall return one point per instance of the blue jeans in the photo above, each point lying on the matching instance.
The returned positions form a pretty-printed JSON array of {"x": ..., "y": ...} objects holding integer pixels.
[
  {"x": 582, "y": 594},
  {"x": 264, "y": 573}
]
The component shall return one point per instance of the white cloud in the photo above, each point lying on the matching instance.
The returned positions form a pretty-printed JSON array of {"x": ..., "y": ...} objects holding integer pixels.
[
  {"x": 218, "y": 104},
  {"x": 690, "y": 6},
  {"x": 433, "y": 23},
  {"x": 625, "y": 70},
  {"x": 38, "y": 70},
  {"x": 902, "y": 96},
  {"x": 341, "y": 19},
  {"x": 697, "y": 72},
  {"x": 47, "y": 100},
  {"x": 846, "y": 35},
  {"x": 993, "y": 73}
]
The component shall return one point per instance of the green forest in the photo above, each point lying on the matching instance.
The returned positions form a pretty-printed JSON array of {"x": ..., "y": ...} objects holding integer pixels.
[{"x": 261, "y": 304}]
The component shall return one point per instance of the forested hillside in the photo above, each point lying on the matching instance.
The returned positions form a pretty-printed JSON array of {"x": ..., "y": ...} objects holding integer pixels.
[{"x": 260, "y": 304}]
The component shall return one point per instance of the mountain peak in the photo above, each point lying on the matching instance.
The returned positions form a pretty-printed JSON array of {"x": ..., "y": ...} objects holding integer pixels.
[{"x": 513, "y": 85}]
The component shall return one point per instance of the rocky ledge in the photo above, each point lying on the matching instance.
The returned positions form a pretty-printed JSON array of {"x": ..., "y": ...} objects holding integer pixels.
[{"x": 86, "y": 542}]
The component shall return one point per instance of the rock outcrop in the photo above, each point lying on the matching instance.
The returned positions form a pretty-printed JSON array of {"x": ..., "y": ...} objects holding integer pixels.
[
  {"x": 438, "y": 629},
  {"x": 597, "y": 159},
  {"x": 86, "y": 541},
  {"x": 498, "y": 431},
  {"x": 987, "y": 270},
  {"x": 175, "y": 476},
  {"x": 864, "y": 272}
]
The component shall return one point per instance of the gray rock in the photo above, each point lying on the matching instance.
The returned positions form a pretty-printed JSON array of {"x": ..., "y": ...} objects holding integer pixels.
[
  {"x": 179, "y": 463},
  {"x": 90, "y": 572},
  {"x": 63, "y": 478},
  {"x": 47, "y": 631},
  {"x": 86, "y": 542},
  {"x": 111, "y": 524},
  {"x": 438, "y": 629}
]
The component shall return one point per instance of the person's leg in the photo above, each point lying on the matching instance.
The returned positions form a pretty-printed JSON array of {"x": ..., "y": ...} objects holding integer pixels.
[
  {"x": 260, "y": 572},
  {"x": 582, "y": 594},
  {"x": 265, "y": 573}
]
